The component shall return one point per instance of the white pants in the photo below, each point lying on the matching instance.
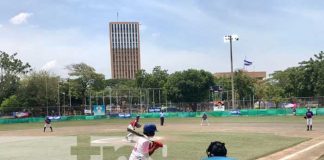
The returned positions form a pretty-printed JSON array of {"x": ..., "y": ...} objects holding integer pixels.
[
  {"x": 309, "y": 121},
  {"x": 130, "y": 134},
  {"x": 47, "y": 125},
  {"x": 204, "y": 121}
]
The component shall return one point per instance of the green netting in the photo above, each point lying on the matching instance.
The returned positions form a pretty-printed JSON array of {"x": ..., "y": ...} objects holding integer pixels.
[
  {"x": 244, "y": 112},
  {"x": 22, "y": 120},
  {"x": 41, "y": 119},
  {"x": 320, "y": 111}
]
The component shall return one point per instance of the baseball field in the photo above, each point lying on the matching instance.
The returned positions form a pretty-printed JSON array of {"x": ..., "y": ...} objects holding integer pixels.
[{"x": 280, "y": 137}]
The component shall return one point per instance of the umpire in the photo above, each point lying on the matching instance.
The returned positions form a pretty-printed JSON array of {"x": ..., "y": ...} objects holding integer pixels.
[{"x": 161, "y": 118}]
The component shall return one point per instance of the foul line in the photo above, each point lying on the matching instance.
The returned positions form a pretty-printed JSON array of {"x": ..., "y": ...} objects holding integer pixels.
[{"x": 304, "y": 150}]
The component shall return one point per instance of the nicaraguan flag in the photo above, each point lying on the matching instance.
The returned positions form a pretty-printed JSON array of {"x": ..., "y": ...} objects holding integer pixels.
[{"x": 247, "y": 63}]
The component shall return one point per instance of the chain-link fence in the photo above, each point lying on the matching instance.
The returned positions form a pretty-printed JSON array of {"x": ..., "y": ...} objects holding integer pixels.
[{"x": 126, "y": 106}]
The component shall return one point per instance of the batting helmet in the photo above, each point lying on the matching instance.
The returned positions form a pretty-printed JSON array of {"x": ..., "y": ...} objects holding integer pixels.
[{"x": 149, "y": 129}]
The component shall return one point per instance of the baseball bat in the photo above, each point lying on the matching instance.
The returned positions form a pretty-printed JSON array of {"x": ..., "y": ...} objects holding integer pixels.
[
  {"x": 136, "y": 133},
  {"x": 142, "y": 135},
  {"x": 139, "y": 134}
]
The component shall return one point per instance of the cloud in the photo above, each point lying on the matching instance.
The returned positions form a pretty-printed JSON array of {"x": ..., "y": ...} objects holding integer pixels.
[
  {"x": 49, "y": 65},
  {"x": 20, "y": 18},
  {"x": 53, "y": 50},
  {"x": 1, "y": 25}
]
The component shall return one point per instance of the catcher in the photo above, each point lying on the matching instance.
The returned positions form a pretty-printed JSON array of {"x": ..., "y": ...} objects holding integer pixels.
[
  {"x": 132, "y": 125},
  {"x": 145, "y": 147},
  {"x": 217, "y": 151},
  {"x": 309, "y": 119}
]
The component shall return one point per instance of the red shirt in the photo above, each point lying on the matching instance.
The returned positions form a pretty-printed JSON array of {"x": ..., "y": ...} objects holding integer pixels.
[{"x": 134, "y": 122}]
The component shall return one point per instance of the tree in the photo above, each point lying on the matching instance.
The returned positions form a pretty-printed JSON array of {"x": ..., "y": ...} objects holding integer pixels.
[
  {"x": 10, "y": 104},
  {"x": 189, "y": 86},
  {"x": 313, "y": 76},
  {"x": 289, "y": 80},
  {"x": 11, "y": 69},
  {"x": 38, "y": 91},
  {"x": 85, "y": 79},
  {"x": 142, "y": 79},
  {"x": 154, "y": 82},
  {"x": 244, "y": 85}
]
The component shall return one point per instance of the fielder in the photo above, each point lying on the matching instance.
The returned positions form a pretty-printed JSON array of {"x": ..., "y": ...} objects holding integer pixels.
[
  {"x": 48, "y": 124},
  {"x": 132, "y": 125},
  {"x": 204, "y": 119},
  {"x": 145, "y": 147},
  {"x": 309, "y": 119}
]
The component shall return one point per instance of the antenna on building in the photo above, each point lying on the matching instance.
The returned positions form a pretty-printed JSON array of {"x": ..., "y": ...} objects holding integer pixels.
[{"x": 117, "y": 16}]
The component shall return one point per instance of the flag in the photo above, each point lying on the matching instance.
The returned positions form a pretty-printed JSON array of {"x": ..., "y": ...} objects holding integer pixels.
[{"x": 247, "y": 63}]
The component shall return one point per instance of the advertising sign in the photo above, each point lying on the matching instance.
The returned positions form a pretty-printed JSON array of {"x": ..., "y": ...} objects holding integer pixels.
[{"x": 99, "y": 110}]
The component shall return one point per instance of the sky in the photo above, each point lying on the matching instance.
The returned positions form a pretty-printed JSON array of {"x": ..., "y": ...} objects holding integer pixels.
[{"x": 176, "y": 35}]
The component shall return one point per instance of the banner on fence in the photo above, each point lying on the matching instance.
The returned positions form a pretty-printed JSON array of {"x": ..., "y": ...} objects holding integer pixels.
[
  {"x": 99, "y": 110},
  {"x": 219, "y": 108}
]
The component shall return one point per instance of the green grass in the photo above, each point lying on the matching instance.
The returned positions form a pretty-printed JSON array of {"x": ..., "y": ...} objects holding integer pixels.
[
  {"x": 321, "y": 158},
  {"x": 264, "y": 119},
  {"x": 193, "y": 144},
  {"x": 239, "y": 145}
]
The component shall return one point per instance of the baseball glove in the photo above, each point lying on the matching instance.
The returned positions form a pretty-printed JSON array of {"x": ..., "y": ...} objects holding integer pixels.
[
  {"x": 304, "y": 117},
  {"x": 138, "y": 125}
]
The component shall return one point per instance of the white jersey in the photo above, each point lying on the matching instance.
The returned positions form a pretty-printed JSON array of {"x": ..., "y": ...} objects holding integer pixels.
[{"x": 140, "y": 150}]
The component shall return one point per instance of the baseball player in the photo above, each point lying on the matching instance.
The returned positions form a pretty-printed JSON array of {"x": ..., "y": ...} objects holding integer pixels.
[
  {"x": 48, "y": 124},
  {"x": 309, "y": 119},
  {"x": 204, "y": 119},
  {"x": 132, "y": 125},
  {"x": 145, "y": 147}
]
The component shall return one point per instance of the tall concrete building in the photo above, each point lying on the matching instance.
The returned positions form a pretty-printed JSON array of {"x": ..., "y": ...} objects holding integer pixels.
[{"x": 124, "y": 49}]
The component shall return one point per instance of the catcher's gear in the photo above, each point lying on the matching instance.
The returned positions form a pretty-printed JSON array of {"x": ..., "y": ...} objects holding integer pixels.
[{"x": 216, "y": 149}]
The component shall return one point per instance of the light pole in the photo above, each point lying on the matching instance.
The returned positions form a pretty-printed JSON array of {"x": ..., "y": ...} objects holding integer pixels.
[
  {"x": 89, "y": 83},
  {"x": 70, "y": 93},
  {"x": 63, "y": 103},
  {"x": 230, "y": 38},
  {"x": 46, "y": 96},
  {"x": 58, "y": 97},
  {"x": 110, "y": 107}
]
